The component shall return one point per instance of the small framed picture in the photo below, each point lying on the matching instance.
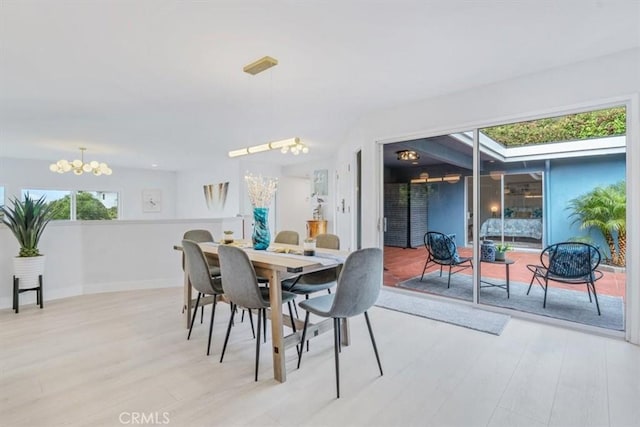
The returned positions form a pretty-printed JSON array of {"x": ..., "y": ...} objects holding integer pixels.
[{"x": 152, "y": 200}]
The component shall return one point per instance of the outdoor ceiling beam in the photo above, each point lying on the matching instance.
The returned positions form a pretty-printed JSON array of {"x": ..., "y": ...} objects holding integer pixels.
[{"x": 439, "y": 148}]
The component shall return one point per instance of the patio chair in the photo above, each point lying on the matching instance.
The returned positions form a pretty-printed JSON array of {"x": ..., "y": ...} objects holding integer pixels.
[
  {"x": 573, "y": 263},
  {"x": 442, "y": 250}
]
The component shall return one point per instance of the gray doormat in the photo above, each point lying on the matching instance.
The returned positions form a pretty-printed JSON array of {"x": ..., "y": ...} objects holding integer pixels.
[
  {"x": 455, "y": 314},
  {"x": 562, "y": 304}
]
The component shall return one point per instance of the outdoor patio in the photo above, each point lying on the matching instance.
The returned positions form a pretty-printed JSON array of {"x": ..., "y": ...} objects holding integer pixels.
[{"x": 567, "y": 302}]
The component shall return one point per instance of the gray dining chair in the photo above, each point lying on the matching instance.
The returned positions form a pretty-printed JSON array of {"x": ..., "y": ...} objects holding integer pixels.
[
  {"x": 287, "y": 237},
  {"x": 358, "y": 288},
  {"x": 198, "y": 273},
  {"x": 322, "y": 280},
  {"x": 241, "y": 287},
  {"x": 203, "y": 236}
]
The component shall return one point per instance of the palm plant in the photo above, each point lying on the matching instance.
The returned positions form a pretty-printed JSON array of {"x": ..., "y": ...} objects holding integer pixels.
[
  {"x": 27, "y": 220},
  {"x": 604, "y": 209}
]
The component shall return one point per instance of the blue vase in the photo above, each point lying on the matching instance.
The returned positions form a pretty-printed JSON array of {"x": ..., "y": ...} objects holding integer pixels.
[{"x": 261, "y": 236}]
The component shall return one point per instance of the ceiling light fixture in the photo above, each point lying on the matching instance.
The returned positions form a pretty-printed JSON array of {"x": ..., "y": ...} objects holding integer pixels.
[
  {"x": 407, "y": 155},
  {"x": 285, "y": 145},
  {"x": 451, "y": 178},
  {"x": 78, "y": 166}
]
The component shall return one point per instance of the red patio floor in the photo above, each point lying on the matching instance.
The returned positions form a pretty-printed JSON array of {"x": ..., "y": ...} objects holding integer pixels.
[{"x": 402, "y": 264}]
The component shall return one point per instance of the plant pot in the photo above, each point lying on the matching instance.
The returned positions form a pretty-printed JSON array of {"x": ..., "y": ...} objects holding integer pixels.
[
  {"x": 500, "y": 255},
  {"x": 487, "y": 251},
  {"x": 28, "y": 269}
]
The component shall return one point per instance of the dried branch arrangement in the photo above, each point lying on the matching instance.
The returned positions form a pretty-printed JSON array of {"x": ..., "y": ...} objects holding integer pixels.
[{"x": 261, "y": 190}]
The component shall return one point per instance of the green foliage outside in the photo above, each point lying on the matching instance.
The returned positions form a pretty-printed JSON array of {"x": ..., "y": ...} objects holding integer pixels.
[
  {"x": 87, "y": 208},
  {"x": 593, "y": 124},
  {"x": 605, "y": 209}
]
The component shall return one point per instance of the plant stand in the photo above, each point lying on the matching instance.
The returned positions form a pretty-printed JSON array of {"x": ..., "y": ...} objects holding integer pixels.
[{"x": 17, "y": 291}]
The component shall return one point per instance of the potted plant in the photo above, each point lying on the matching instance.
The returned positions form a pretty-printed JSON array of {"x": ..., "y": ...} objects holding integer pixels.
[
  {"x": 27, "y": 220},
  {"x": 501, "y": 249}
]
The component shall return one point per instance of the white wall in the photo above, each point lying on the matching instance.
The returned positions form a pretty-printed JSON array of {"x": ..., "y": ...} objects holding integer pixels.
[
  {"x": 190, "y": 195},
  {"x": 292, "y": 205},
  {"x": 18, "y": 174},
  {"x": 305, "y": 170},
  {"x": 102, "y": 256}
]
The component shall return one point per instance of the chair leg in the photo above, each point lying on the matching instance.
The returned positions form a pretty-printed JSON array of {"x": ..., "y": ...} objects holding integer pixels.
[
  {"x": 213, "y": 314},
  {"x": 336, "y": 342},
  {"x": 293, "y": 323},
  {"x": 253, "y": 331},
  {"x": 424, "y": 269},
  {"x": 295, "y": 308},
  {"x": 264, "y": 324},
  {"x": 546, "y": 286},
  {"x": 531, "y": 283},
  {"x": 595, "y": 296},
  {"x": 373, "y": 341},
  {"x": 201, "y": 314},
  {"x": 226, "y": 338},
  {"x": 304, "y": 335},
  {"x": 589, "y": 292},
  {"x": 258, "y": 343},
  {"x": 193, "y": 318},
  {"x": 449, "y": 279},
  {"x": 339, "y": 336}
]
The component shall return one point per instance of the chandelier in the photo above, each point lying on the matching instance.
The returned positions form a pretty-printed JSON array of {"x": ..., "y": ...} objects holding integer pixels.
[
  {"x": 407, "y": 155},
  {"x": 292, "y": 145},
  {"x": 79, "y": 166},
  {"x": 295, "y": 149}
]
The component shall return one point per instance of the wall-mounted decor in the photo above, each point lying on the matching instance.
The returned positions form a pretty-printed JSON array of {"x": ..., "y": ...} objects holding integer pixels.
[
  {"x": 152, "y": 200},
  {"x": 216, "y": 195},
  {"x": 321, "y": 182}
]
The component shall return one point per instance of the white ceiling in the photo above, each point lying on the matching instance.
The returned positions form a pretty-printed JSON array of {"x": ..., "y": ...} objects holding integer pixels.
[{"x": 155, "y": 81}]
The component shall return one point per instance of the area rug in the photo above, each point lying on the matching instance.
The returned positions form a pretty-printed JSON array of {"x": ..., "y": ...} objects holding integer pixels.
[
  {"x": 561, "y": 303},
  {"x": 449, "y": 312}
]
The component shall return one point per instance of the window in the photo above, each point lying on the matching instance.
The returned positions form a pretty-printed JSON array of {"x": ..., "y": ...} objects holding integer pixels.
[
  {"x": 79, "y": 205},
  {"x": 91, "y": 205}
]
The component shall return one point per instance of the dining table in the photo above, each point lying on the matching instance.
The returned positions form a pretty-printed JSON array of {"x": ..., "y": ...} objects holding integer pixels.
[{"x": 279, "y": 261}]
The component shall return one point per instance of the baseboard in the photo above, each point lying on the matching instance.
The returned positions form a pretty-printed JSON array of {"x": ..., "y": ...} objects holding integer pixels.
[{"x": 97, "y": 288}]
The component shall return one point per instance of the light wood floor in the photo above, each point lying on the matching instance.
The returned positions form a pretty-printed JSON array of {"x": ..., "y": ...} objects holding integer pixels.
[{"x": 96, "y": 359}]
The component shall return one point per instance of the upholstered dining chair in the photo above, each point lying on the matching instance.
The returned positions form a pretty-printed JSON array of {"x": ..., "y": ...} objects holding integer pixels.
[
  {"x": 573, "y": 263},
  {"x": 203, "y": 236},
  {"x": 200, "y": 277},
  {"x": 317, "y": 281},
  {"x": 442, "y": 251},
  {"x": 287, "y": 237},
  {"x": 241, "y": 287},
  {"x": 358, "y": 288}
]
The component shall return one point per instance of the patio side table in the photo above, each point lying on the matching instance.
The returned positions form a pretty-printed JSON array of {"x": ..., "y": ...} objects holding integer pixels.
[{"x": 506, "y": 262}]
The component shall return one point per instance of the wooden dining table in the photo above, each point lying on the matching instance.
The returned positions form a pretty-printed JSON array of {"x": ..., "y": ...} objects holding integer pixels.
[{"x": 279, "y": 262}]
